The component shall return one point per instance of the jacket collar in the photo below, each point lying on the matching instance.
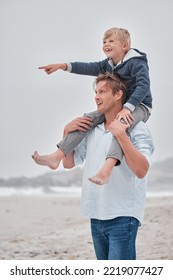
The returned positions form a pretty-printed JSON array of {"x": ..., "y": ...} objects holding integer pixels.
[{"x": 130, "y": 54}]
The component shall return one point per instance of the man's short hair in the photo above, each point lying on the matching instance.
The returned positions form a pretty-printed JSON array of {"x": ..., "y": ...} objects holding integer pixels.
[{"x": 115, "y": 83}]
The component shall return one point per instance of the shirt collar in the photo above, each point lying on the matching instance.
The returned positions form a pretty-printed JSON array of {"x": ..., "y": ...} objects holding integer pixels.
[{"x": 102, "y": 127}]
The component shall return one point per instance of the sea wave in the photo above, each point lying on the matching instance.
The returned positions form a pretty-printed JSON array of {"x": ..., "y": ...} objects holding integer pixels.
[
  {"x": 38, "y": 191},
  {"x": 60, "y": 191},
  {"x": 159, "y": 193}
]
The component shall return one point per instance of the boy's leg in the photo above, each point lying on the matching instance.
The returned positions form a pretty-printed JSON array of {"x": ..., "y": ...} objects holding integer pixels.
[
  {"x": 114, "y": 159},
  {"x": 67, "y": 145},
  {"x": 141, "y": 113},
  {"x": 70, "y": 142},
  {"x": 51, "y": 160},
  {"x": 115, "y": 153}
]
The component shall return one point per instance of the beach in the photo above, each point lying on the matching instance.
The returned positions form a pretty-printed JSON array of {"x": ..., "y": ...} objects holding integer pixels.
[{"x": 50, "y": 227}]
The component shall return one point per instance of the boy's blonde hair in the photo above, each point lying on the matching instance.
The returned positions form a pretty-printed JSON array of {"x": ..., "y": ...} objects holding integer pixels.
[{"x": 121, "y": 34}]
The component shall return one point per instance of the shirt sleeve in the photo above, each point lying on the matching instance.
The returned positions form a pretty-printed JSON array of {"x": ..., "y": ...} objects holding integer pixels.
[
  {"x": 69, "y": 67},
  {"x": 89, "y": 68},
  {"x": 142, "y": 140}
]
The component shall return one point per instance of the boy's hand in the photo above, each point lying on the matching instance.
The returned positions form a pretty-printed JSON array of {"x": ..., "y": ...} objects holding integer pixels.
[
  {"x": 126, "y": 115},
  {"x": 49, "y": 69}
]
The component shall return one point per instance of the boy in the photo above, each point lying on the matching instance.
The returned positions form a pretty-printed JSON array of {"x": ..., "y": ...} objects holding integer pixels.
[{"x": 131, "y": 65}]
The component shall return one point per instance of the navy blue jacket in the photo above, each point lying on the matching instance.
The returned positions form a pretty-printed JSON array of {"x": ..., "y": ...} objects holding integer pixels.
[{"x": 134, "y": 69}]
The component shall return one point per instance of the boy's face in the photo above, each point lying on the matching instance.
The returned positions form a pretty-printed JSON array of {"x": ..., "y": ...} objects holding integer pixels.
[
  {"x": 104, "y": 97},
  {"x": 114, "y": 49}
]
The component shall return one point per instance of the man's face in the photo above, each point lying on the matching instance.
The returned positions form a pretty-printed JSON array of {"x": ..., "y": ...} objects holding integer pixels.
[{"x": 104, "y": 98}]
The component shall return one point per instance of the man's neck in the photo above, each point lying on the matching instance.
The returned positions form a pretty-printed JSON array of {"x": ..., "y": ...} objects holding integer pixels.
[{"x": 111, "y": 115}]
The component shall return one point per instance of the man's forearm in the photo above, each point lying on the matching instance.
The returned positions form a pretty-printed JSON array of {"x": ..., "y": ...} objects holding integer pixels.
[
  {"x": 81, "y": 124},
  {"x": 68, "y": 160},
  {"x": 136, "y": 161}
]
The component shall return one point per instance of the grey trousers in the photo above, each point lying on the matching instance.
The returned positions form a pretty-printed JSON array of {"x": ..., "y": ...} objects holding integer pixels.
[{"x": 70, "y": 142}]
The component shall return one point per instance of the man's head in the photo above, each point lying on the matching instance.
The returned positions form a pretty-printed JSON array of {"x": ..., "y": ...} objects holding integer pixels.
[
  {"x": 110, "y": 92},
  {"x": 116, "y": 43}
]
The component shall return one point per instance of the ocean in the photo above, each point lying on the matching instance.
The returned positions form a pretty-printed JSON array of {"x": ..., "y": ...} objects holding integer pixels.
[
  {"x": 71, "y": 191},
  {"x": 39, "y": 191}
]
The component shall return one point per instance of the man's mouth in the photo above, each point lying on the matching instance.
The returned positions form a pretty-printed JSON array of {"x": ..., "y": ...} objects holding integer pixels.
[{"x": 98, "y": 104}]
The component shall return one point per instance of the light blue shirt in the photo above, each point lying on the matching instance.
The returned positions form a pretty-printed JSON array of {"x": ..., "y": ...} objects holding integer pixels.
[{"x": 124, "y": 194}]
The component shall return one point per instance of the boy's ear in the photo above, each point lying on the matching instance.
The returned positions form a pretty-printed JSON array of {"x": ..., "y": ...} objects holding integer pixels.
[{"x": 125, "y": 46}]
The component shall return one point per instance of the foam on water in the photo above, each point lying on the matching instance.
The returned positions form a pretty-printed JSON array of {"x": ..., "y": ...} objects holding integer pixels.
[
  {"x": 59, "y": 191},
  {"x": 38, "y": 191}
]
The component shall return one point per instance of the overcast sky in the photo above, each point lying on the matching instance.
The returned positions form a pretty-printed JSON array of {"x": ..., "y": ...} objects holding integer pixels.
[{"x": 34, "y": 107}]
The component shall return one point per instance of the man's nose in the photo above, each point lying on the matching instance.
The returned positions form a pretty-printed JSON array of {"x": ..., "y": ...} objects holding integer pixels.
[{"x": 96, "y": 96}]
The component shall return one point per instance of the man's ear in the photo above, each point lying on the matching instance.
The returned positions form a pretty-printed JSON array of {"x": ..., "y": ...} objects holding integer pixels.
[{"x": 119, "y": 94}]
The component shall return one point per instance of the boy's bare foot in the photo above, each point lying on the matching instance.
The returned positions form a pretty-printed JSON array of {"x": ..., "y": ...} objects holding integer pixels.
[
  {"x": 51, "y": 160},
  {"x": 102, "y": 177},
  {"x": 99, "y": 179}
]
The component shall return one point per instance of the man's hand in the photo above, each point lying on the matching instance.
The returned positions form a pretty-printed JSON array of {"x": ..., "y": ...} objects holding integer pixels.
[
  {"x": 82, "y": 124},
  {"x": 126, "y": 115},
  {"x": 49, "y": 69},
  {"x": 118, "y": 128},
  {"x": 136, "y": 161}
]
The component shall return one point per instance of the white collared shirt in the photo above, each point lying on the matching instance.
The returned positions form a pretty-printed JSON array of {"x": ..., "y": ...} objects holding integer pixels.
[{"x": 124, "y": 194}]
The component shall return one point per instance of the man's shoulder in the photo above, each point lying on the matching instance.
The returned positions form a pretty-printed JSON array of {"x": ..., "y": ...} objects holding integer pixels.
[
  {"x": 141, "y": 128},
  {"x": 141, "y": 124}
]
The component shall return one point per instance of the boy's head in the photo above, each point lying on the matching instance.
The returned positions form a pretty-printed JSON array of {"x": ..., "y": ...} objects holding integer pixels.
[
  {"x": 121, "y": 35},
  {"x": 116, "y": 43}
]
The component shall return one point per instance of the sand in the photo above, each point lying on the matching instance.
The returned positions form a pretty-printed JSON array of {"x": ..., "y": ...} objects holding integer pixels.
[{"x": 50, "y": 227}]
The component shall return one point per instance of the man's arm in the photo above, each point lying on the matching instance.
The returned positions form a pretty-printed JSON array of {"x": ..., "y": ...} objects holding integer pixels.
[
  {"x": 136, "y": 161},
  {"x": 82, "y": 124}
]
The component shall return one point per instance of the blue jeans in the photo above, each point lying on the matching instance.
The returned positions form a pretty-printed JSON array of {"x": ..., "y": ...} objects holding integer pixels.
[{"x": 115, "y": 239}]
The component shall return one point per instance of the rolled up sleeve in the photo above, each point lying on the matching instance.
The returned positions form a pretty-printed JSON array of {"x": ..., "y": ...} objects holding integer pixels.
[{"x": 142, "y": 140}]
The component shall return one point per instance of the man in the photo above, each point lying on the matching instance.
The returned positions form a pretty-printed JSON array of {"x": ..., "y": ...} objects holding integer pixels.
[{"x": 115, "y": 209}]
